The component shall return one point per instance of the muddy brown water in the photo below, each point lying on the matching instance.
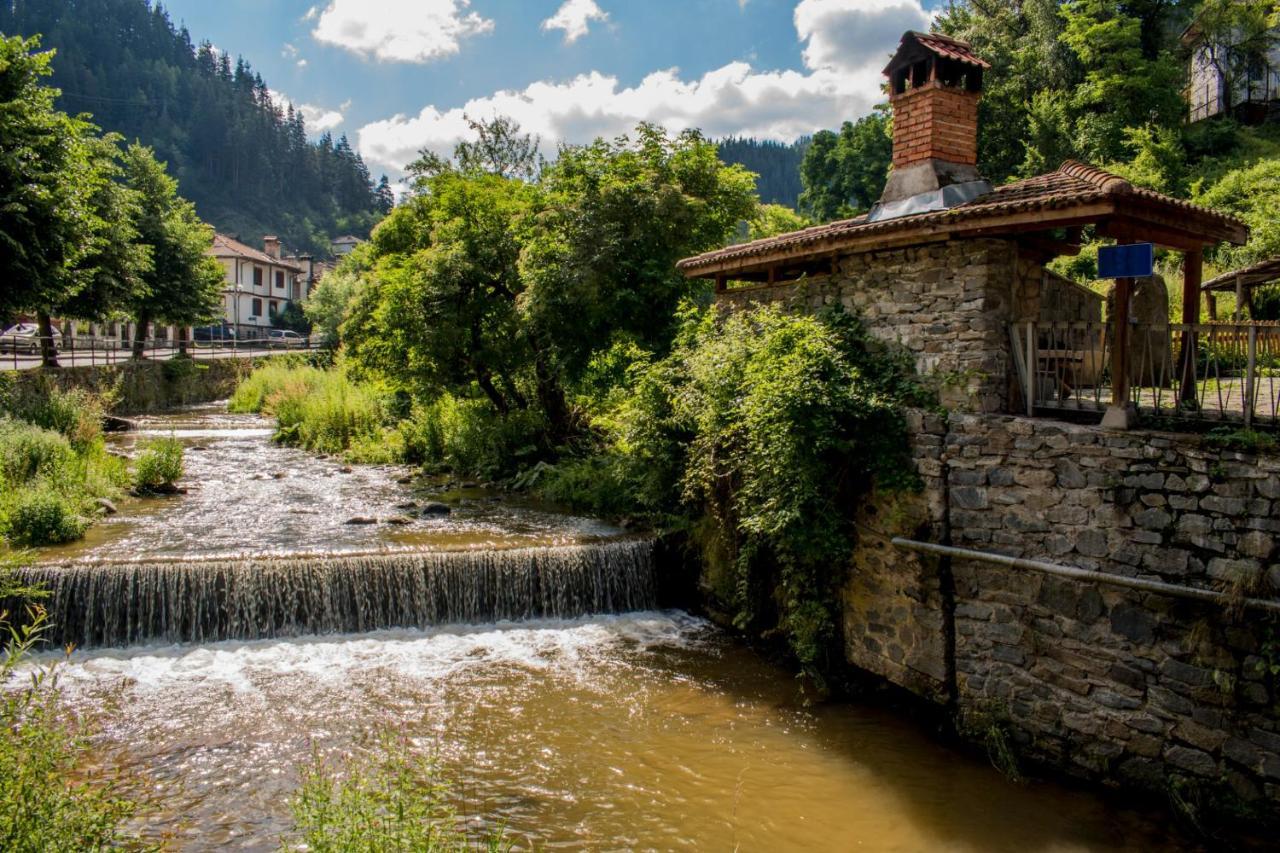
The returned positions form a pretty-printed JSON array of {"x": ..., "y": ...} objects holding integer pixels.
[{"x": 648, "y": 731}]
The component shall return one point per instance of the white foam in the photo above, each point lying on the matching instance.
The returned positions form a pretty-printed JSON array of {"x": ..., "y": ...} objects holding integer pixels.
[{"x": 562, "y": 646}]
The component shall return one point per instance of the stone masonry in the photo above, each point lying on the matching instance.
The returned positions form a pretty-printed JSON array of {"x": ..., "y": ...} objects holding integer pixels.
[
  {"x": 1116, "y": 685},
  {"x": 948, "y": 303}
]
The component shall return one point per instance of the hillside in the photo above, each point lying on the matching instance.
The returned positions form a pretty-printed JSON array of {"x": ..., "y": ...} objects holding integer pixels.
[
  {"x": 248, "y": 165},
  {"x": 777, "y": 164}
]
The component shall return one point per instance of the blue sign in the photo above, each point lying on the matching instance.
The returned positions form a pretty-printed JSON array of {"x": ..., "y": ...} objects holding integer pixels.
[{"x": 1136, "y": 260}]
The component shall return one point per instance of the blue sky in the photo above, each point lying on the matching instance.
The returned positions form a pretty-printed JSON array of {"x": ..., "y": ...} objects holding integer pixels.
[{"x": 398, "y": 75}]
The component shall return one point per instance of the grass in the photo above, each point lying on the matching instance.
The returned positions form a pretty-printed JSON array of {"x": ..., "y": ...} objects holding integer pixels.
[
  {"x": 327, "y": 411},
  {"x": 158, "y": 466},
  {"x": 53, "y": 467},
  {"x": 385, "y": 799},
  {"x": 47, "y": 801}
]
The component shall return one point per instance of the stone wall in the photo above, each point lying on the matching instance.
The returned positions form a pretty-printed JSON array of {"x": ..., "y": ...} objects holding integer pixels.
[
  {"x": 948, "y": 303},
  {"x": 147, "y": 386},
  {"x": 1117, "y": 685},
  {"x": 1140, "y": 688}
]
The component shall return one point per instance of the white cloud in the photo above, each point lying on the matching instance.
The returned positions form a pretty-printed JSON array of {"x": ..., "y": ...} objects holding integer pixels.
[
  {"x": 289, "y": 51},
  {"x": 575, "y": 17},
  {"x": 841, "y": 81},
  {"x": 853, "y": 35},
  {"x": 302, "y": 63},
  {"x": 399, "y": 30},
  {"x": 318, "y": 119}
]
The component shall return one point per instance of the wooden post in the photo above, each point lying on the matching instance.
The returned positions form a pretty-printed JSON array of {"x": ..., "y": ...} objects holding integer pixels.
[
  {"x": 1192, "y": 276},
  {"x": 1120, "y": 348},
  {"x": 720, "y": 283}
]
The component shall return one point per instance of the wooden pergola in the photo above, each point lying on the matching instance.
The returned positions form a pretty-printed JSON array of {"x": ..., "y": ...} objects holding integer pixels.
[{"x": 1242, "y": 282}]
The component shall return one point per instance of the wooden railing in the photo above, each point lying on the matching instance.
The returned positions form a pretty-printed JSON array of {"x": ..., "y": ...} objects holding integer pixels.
[{"x": 1205, "y": 371}]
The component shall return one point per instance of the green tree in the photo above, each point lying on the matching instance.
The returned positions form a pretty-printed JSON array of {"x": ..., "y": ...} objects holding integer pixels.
[
  {"x": 493, "y": 281},
  {"x": 601, "y": 264},
  {"x": 47, "y": 182},
  {"x": 1128, "y": 82},
  {"x": 183, "y": 284},
  {"x": 844, "y": 173},
  {"x": 1237, "y": 37},
  {"x": 773, "y": 219}
]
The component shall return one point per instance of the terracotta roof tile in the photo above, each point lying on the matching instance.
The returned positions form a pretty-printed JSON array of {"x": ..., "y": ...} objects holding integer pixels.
[
  {"x": 1073, "y": 185},
  {"x": 224, "y": 246},
  {"x": 950, "y": 48}
]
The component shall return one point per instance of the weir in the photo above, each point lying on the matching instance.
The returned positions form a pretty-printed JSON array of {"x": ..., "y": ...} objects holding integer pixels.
[{"x": 251, "y": 598}]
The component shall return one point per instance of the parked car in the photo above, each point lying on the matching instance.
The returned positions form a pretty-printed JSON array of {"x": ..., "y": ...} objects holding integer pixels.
[
  {"x": 285, "y": 339},
  {"x": 210, "y": 334},
  {"x": 24, "y": 337}
]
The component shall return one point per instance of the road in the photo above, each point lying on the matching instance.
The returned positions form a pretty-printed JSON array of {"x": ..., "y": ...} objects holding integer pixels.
[{"x": 87, "y": 358}]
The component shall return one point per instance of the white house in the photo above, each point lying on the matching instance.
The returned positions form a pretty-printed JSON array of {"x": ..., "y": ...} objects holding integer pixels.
[
  {"x": 259, "y": 285},
  {"x": 1207, "y": 96}
]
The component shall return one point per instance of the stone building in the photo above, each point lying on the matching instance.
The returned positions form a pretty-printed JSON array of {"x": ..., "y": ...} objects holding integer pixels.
[
  {"x": 1103, "y": 598},
  {"x": 945, "y": 264}
]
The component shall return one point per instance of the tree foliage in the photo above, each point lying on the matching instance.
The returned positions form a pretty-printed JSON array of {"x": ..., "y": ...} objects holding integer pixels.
[
  {"x": 775, "y": 164},
  {"x": 489, "y": 284},
  {"x": 182, "y": 284},
  {"x": 236, "y": 152},
  {"x": 844, "y": 173}
]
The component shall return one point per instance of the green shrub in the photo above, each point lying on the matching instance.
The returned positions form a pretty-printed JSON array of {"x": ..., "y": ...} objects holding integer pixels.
[
  {"x": 47, "y": 803},
  {"x": 28, "y": 451},
  {"x": 760, "y": 433},
  {"x": 388, "y": 799},
  {"x": 38, "y": 514},
  {"x": 76, "y": 414},
  {"x": 158, "y": 465}
]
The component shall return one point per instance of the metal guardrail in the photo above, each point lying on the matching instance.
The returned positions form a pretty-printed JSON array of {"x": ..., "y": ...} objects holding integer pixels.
[
  {"x": 91, "y": 351},
  {"x": 1206, "y": 371}
]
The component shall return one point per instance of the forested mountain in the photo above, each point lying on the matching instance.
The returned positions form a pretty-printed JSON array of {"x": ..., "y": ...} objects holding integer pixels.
[
  {"x": 777, "y": 164},
  {"x": 246, "y": 163}
]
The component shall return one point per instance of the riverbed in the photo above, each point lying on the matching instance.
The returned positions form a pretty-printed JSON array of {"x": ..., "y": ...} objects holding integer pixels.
[{"x": 632, "y": 730}]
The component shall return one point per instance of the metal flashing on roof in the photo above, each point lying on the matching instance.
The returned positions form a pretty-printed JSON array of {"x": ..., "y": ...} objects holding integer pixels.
[{"x": 943, "y": 198}]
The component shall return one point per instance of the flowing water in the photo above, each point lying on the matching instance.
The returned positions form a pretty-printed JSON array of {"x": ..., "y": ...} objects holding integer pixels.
[
  {"x": 251, "y": 629},
  {"x": 640, "y": 731},
  {"x": 247, "y": 494}
]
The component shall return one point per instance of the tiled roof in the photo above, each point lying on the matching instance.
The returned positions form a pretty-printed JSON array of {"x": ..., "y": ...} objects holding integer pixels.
[
  {"x": 226, "y": 247},
  {"x": 1074, "y": 185},
  {"x": 1263, "y": 272},
  {"x": 949, "y": 48}
]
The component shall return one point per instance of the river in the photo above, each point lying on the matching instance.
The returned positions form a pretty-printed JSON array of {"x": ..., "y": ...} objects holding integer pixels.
[{"x": 647, "y": 729}]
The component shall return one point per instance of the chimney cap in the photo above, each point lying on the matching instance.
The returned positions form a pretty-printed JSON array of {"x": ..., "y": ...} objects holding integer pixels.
[{"x": 916, "y": 44}]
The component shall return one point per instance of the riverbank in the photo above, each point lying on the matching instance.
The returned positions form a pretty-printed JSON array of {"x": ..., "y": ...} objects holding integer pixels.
[{"x": 140, "y": 387}]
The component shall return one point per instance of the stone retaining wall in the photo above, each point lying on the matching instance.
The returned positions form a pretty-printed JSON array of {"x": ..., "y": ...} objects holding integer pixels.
[
  {"x": 147, "y": 386},
  {"x": 1121, "y": 686}
]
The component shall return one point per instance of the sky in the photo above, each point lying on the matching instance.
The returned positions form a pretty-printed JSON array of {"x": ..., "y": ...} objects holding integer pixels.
[{"x": 397, "y": 76}]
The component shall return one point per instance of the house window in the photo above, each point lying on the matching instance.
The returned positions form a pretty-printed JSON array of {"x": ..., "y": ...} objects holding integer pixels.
[
  {"x": 257, "y": 307},
  {"x": 274, "y": 307},
  {"x": 257, "y": 277},
  {"x": 279, "y": 279}
]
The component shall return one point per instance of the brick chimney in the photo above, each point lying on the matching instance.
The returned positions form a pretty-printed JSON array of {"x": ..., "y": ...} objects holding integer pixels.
[
  {"x": 935, "y": 83},
  {"x": 271, "y": 245}
]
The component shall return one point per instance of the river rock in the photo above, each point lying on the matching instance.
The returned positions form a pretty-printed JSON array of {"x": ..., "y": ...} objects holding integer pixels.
[
  {"x": 106, "y": 506},
  {"x": 278, "y": 475},
  {"x": 404, "y": 481},
  {"x": 398, "y": 520},
  {"x": 408, "y": 505},
  {"x": 345, "y": 469},
  {"x": 435, "y": 508},
  {"x": 361, "y": 519}
]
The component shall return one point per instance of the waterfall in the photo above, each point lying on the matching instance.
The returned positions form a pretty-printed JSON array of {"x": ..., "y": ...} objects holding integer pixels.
[{"x": 120, "y": 604}]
